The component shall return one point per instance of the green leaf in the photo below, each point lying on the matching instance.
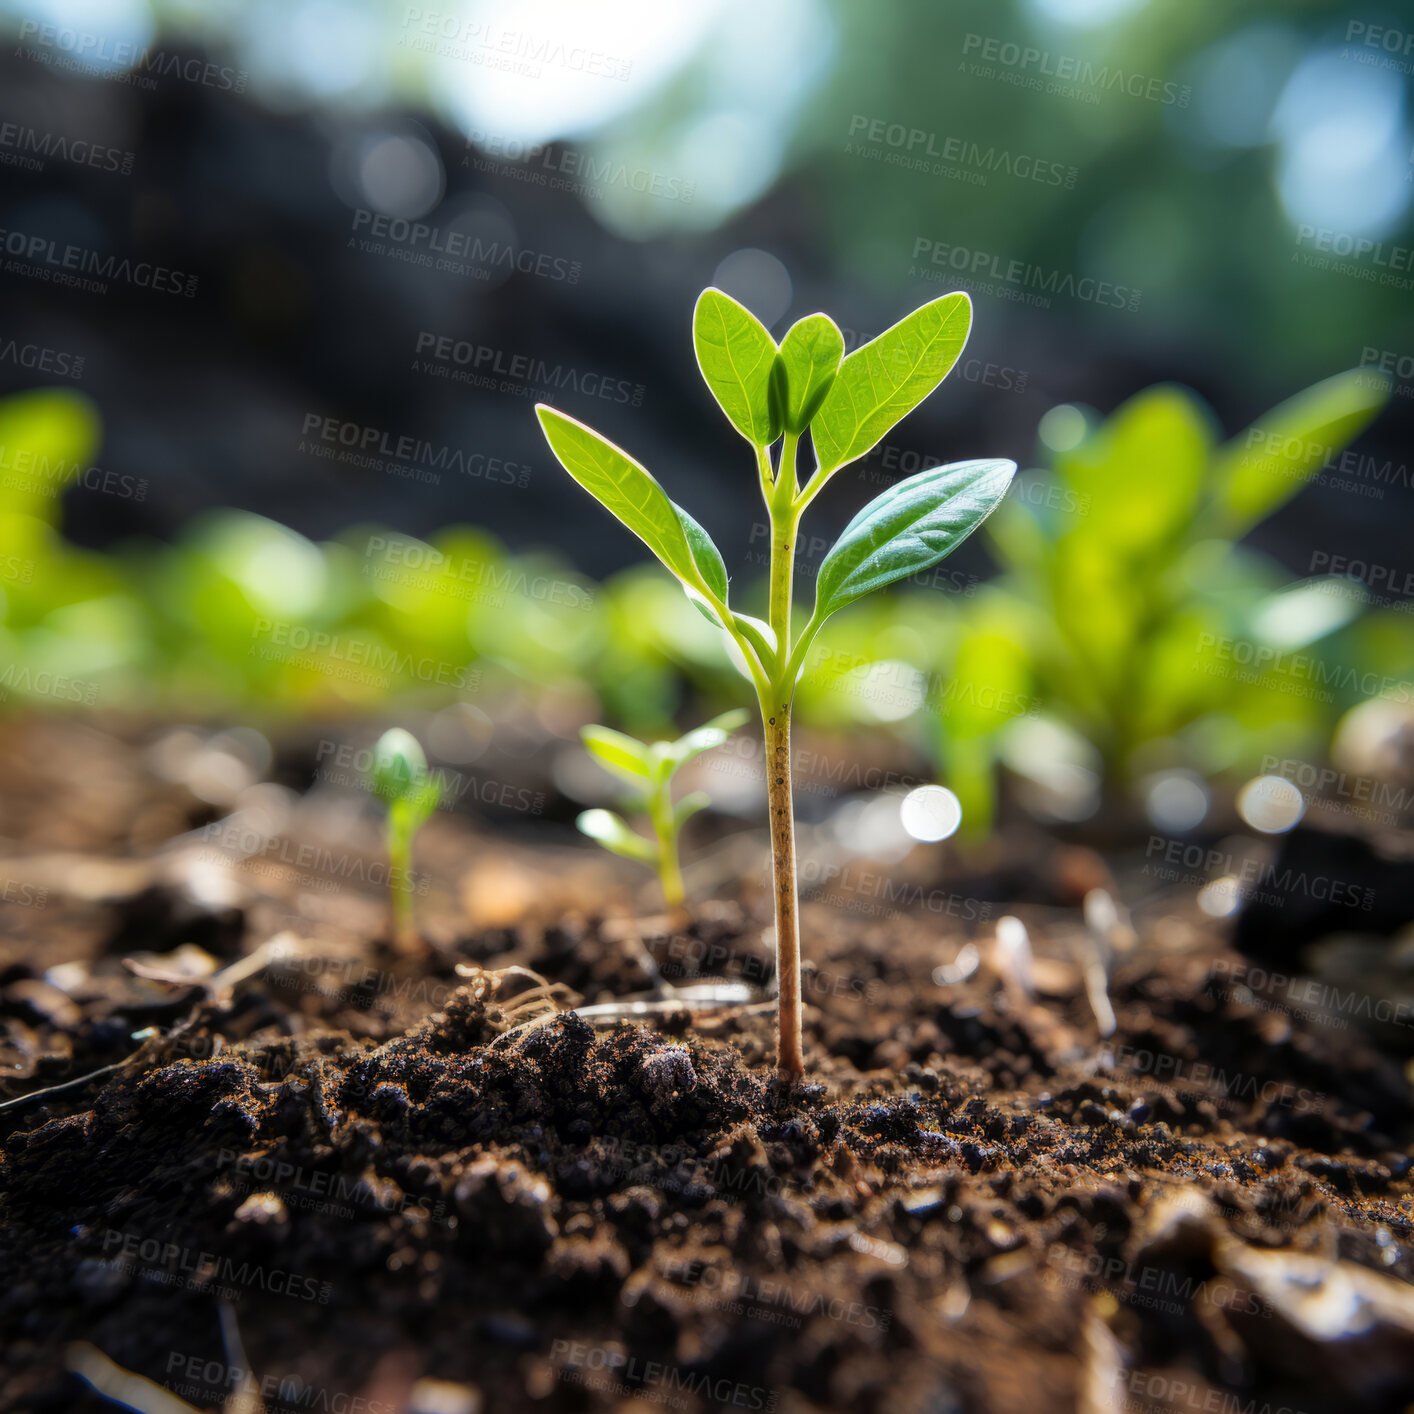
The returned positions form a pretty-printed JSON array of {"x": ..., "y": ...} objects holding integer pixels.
[
  {"x": 1140, "y": 475},
  {"x": 628, "y": 491},
  {"x": 47, "y": 437},
  {"x": 908, "y": 529},
  {"x": 759, "y": 634},
  {"x": 1268, "y": 464},
  {"x": 705, "y": 555},
  {"x": 688, "y": 806},
  {"x": 613, "y": 832},
  {"x": 735, "y": 354},
  {"x": 887, "y": 378},
  {"x": 621, "y": 754},
  {"x": 708, "y": 735},
  {"x": 806, "y": 368}
]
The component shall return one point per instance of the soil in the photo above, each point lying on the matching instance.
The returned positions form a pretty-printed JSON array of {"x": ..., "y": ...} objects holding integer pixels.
[{"x": 348, "y": 1182}]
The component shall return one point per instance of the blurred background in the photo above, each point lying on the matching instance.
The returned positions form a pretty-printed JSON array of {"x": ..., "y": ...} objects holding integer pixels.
[{"x": 282, "y": 283}]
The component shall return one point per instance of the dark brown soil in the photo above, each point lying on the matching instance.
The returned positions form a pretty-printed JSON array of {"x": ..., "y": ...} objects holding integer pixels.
[{"x": 975, "y": 1203}]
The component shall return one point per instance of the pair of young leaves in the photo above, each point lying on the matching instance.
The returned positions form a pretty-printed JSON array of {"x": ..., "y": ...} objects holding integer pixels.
[
  {"x": 648, "y": 770},
  {"x": 848, "y": 404},
  {"x": 399, "y": 776}
]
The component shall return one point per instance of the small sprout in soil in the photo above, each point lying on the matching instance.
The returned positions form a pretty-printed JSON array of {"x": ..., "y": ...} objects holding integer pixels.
[
  {"x": 648, "y": 770},
  {"x": 1014, "y": 959},
  {"x": 1096, "y": 948},
  {"x": 949, "y": 974},
  {"x": 399, "y": 775},
  {"x": 773, "y": 394}
]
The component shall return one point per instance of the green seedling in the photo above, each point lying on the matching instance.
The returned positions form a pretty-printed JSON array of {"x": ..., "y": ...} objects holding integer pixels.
[
  {"x": 399, "y": 776},
  {"x": 1118, "y": 595},
  {"x": 648, "y": 770},
  {"x": 772, "y": 394}
]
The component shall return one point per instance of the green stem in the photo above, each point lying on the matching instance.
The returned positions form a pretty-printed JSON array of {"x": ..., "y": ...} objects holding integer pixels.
[
  {"x": 660, "y": 811},
  {"x": 775, "y": 722},
  {"x": 405, "y": 938}
]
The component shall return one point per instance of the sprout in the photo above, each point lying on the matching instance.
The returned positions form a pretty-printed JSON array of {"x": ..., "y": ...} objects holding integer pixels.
[
  {"x": 804, "y": 388},
  {"x": 649, "y": 770},
  {"x": 399, "y": 776}
]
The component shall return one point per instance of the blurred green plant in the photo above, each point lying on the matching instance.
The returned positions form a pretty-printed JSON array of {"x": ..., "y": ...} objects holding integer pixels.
[
  {"x": 399, "y": 777},
  {"x": 1129, "y": 612},
  {"x": 1108, "y": 648},
  {"x": 648, "y": 770}
]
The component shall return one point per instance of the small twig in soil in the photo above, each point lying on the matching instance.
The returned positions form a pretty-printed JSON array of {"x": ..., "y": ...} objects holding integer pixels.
[
  {"x": 121, "y": 1386},
  {"x": 703, "y": 997},
  {"x": 218, "y": 987},
  {"x": 244, "y": 1399},
  {"x": 73, "y": 1084}
]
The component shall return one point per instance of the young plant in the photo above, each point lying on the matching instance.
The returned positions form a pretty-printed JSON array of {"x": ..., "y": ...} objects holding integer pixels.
[
  {"x": 1119, "y": 593},
  {"x": 649, "y": 770},
  {"x": 399, "y": 776},
  {"x": 774, "y": 394}
]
